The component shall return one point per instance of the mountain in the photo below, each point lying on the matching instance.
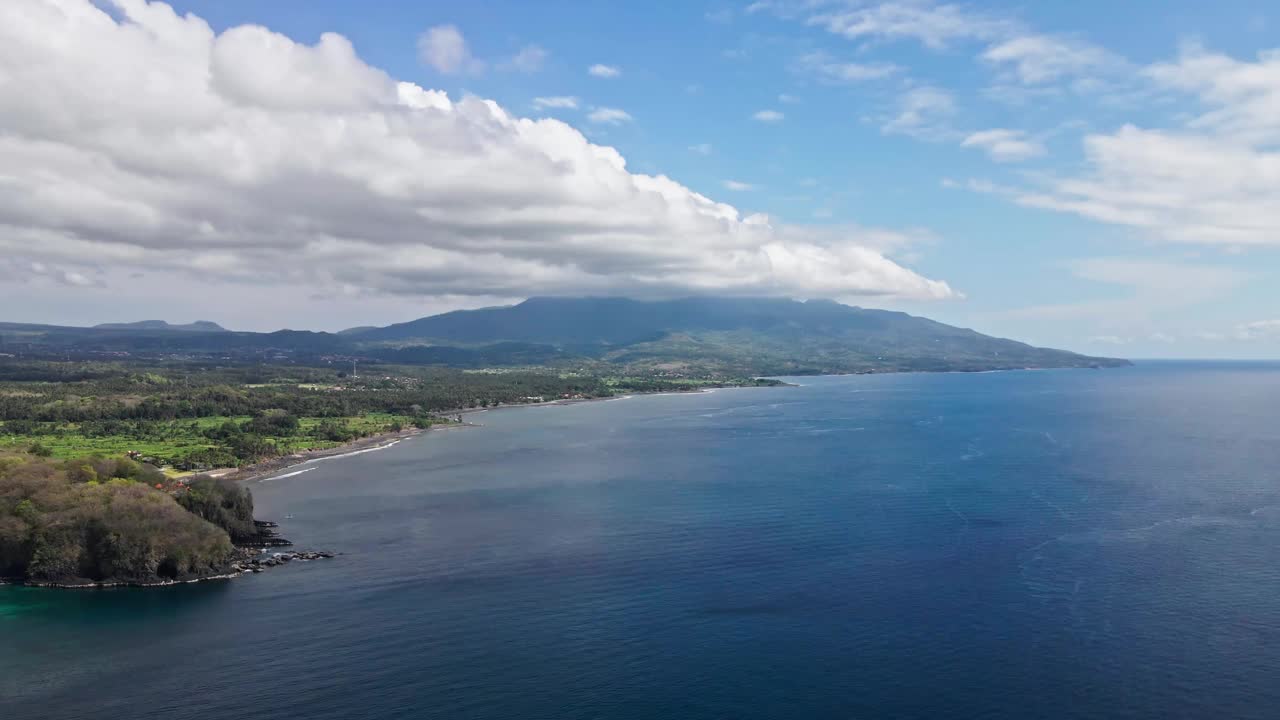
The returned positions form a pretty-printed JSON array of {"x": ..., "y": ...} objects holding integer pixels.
[
  {"x": 125, "y": 340},
  {"x": 743, "y": 335},
  {"x": 695, "y": 337},
  {"x": 197, "y": 326}
]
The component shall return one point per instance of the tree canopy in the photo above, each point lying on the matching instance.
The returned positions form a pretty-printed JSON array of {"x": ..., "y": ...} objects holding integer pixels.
[{"x": 99, "y": 520}]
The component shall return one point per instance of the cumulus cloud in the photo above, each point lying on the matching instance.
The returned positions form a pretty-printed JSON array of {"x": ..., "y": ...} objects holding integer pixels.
[
  {"x": 604, "y": 71},
  {"x": 1005, "y": 145},
  {"x": 444, "y": 48},
  {"x": 142, "y": 139}
]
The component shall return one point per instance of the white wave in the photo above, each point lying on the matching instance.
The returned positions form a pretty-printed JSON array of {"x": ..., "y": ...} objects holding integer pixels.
[
  {"x": 295, "y": 472},
  {"x": 362, "y": 451}
]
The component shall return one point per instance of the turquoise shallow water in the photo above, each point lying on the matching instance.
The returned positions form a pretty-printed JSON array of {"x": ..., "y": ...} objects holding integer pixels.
[{"x": 1057, "y": 544}]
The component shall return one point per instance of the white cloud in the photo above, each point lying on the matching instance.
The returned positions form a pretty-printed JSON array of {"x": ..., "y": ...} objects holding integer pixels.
[
  {"x": 144, "y": 139},
  {"x": 829, "y": 70},
  {"x": 786, "y": 99},
  {"x": 1037, "y": 58},
  {"x": 1258, "y": 330},
  {"x": 561, "y": 102},
  {"x": 609, "y": 116},
  {"x": 1175, "y": 186},
  {"x": 444, "y": 48},
  {"x": 1151, "y": 290},
  {"x": 1108, "y": 340},
  {"x": 933, "y": 24},
  {"x": 768, "y": 116},
  {"x": 1159, "y": 277},
  {"x": 604, "y": 71},
  {"x": 58, "y": 275},
  {"x": 530, "y": 59},
  {"x": 1033, "y": 59},
  {"x": 1243, "y": 97},
  {"x": 1154, "y": 337},
  {"x": 922, "y": 112},
  {"x": 737, "y": 186},
  {"x": 701, "y": 148},
  {"x": 1005, "y": 145},
  {"x": 1214, "y": 181}
]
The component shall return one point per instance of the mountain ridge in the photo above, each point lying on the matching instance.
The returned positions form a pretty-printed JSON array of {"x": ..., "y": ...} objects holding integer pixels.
[
  {"x": 782, "y": 334},
  {"x": 696, "y": 336},
  {"x": 197, "y": 326}
]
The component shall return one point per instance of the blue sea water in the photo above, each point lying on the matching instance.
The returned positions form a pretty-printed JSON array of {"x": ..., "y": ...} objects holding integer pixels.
[{"x": 1047, "y": 544}]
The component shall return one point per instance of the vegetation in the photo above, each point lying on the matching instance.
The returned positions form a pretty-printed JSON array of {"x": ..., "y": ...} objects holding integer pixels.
[
  {"x": 100, "y": 520},
  {"x": 191, "y": 416},
  {"x": 705, "y": 337},
  {"x": 709, "y": 336},
  {"x": 77, "y": 403},
  {"x": 222, "y": 502}
]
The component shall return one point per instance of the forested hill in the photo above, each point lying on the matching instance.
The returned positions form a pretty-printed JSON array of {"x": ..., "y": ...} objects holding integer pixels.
[
  {"x": 771, "y": 335},
  {"x": 705, "y": 336},
  {"x": 114, "y": 521}
]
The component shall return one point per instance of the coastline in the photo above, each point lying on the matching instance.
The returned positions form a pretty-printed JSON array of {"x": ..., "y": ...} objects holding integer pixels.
[
  {"x": 248, "y": 563},
  {"x": 115, "y": 584},
  {"x": 271, "y": 466},
  {"x": 264, "y": 470},
  {"x": 260, "y": 471}
]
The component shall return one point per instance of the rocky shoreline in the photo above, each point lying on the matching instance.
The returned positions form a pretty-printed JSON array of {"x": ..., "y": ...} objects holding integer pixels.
[
  {"x": 253, "y": 556},
  {"x": 245, "y": 564},
  {"x": 257, "y": 563}
]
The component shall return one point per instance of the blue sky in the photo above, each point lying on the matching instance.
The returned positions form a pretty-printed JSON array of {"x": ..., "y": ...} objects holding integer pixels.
[{"x": 1070, "y": 171}]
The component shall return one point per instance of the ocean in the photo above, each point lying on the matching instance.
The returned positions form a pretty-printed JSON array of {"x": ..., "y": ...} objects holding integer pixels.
[{"x": 1038, "y": 544}]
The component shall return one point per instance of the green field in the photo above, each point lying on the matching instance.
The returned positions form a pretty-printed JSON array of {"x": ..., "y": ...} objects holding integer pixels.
[
  {"x": 196, "y": 416},
  {"x": 180, "y": 438}
]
